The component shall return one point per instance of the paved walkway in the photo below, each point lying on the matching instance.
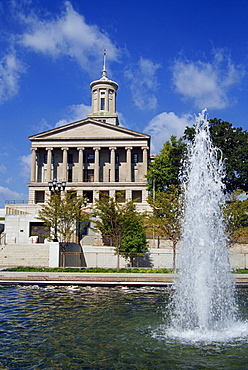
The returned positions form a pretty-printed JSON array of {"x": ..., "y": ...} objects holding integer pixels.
[{"x": 104, "y": 279}]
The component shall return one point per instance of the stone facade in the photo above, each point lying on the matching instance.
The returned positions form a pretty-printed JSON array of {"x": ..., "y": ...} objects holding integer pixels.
[{"x": 93, "y": 156}]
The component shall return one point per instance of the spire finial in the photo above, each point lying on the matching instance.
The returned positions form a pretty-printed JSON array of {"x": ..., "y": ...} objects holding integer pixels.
[{"x": 104, "y": 71}]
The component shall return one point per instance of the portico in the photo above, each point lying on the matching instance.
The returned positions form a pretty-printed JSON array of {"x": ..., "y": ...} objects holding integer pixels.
[{"x": 90, "y": 164}]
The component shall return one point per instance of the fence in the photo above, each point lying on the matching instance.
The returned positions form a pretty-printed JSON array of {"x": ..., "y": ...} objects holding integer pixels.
[{"x": 72, "y": 259}]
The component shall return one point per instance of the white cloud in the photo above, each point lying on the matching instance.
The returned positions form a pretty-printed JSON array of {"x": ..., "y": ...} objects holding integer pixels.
[
  {"x": 164, "y": 125},
  {"x": 143, "y": 83},
  {"x": 207, "y": 84},
  {"x": 3, "y": 168},
  {"x": 7, "y": 194},
  {"x": 42, "y": 126},
  {"x": 75, "y": 113},
  {"x": 69, "y": 35},
  {"x": 11, "y": 69},
  {"x": 25, "y": 162}
]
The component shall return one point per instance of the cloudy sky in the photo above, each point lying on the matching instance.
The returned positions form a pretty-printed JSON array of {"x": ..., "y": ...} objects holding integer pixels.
[{"x": 171, "y": 59}]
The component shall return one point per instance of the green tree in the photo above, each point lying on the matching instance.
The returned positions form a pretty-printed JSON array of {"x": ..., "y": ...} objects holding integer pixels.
[
  {"x": 62, "y": 213},
  {"x": 119, "y": 223},
  {"x": 166, "y": 216},
  {"x": 233, "y": 143},
  {"x": 134, "y": 242},
  {"x": 164, "y": 170},
  {"x": 236, "y": 217}
]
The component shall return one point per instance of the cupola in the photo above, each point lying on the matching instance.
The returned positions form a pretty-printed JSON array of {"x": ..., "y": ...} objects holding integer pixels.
[{"x": 104, "y": 98}]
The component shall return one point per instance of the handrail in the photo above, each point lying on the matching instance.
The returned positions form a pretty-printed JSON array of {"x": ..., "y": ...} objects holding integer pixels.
[{"x": 23, "y": 201}]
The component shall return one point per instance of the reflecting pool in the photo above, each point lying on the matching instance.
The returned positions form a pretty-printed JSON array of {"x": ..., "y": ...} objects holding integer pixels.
[{"x": 104, "y": 328}]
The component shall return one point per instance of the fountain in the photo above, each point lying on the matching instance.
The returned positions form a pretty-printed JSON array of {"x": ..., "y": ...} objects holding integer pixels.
[{"x": 203, "y": 305}]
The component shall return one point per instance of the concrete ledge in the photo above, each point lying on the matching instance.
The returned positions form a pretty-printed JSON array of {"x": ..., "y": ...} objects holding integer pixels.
[
  {"x": 61, "y": 278},
  {"x": 96, "y": 279}
]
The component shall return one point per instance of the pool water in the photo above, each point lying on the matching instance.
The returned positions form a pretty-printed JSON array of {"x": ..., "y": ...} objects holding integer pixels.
[{"x": 103, "y": 328}]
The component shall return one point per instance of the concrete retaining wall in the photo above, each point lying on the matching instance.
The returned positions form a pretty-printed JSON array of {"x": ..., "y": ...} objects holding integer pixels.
[
  {"x": 106, "y": 257},
  {"x": 25, "y": 255},
  {"x": 47, "y": 255}
]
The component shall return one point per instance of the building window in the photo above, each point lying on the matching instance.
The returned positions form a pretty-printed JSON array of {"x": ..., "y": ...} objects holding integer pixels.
[
  {"x": 88, "y": 195},
  {"x": 102, "y": 103},
  {"x": 45, "y": 159},
  {"x": 90, "y": 176},
  {"x": 39, "y": 230},
  {"x": 120, "y": 196},
  {"x": 70, "y": 158},
  {"x": 103, "y": 194},
  {"x": 39, "y": 196},
  {"x": 72, "y": 193},
  {"x": 135, "y": 158},
  {"x": 70, "y": 174},
  {"x": 137, "y": 196},
  {"x": 90, "y": 158}
]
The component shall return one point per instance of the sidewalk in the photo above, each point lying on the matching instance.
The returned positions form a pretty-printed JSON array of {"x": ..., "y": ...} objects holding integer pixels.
[{"x": 94, "y": 279}]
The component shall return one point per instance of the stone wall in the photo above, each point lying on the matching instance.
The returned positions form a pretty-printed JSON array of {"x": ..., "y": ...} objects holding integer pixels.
[
  {"x": 25, "y": 255},
  {"x": 239, "y": 256},
  {"x": 47, "y": 255}
]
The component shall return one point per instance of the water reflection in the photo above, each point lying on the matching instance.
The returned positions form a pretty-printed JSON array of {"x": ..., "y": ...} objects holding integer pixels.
[{"x": 100, "y": 328}]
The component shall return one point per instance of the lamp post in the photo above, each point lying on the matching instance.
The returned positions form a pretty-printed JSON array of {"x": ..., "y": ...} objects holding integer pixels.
[
  {"x": 56, "y": 187},
  {"x": 86, "y": 200},
  {"x": 153, "y": 196}
]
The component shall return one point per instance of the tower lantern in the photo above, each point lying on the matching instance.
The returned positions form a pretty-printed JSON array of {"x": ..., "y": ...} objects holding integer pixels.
[{"x": 104, "y": 98}]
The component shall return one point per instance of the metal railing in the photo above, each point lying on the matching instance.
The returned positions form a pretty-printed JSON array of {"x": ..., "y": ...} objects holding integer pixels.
[
  {"x": 23, "y": 201},
  {"x": 72, "y": 259}
]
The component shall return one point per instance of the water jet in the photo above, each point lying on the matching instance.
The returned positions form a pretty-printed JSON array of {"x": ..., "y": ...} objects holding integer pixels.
[{"x": 203, "y": 305}]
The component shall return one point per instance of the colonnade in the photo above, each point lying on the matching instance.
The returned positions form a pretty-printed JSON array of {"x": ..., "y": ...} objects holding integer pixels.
[{"x": 49, "y": 151}]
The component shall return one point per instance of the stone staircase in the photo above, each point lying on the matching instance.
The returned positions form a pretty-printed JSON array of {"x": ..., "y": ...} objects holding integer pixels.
[{"x": 24, "y": 255}]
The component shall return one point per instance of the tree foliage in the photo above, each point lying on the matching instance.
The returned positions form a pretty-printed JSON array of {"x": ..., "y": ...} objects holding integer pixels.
[
  {"x": 236, "y": 217},
  {"x": 166, "y": 216},
  {"x": 62, "y": 213},
  {"x": 233, "y": 143},
  {"x": 122, "y": 225},
  {"x": 164, "y": 170}
]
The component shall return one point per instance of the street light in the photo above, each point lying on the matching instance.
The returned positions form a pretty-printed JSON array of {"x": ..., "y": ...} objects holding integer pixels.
[
  {"x": 153, "y": 196},
  {"x": 86, "y": 200},
  {"x": 55, "y": 185}
]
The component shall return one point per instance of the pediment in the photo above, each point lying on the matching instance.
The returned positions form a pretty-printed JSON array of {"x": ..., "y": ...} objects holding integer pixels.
[{"x": 88, "y": 129}]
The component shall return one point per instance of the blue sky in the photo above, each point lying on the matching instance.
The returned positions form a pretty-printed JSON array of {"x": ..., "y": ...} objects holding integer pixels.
[{"x": 171, "y": 59}]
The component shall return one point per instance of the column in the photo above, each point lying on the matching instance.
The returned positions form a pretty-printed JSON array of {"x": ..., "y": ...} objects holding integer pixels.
[
  {"x": 96, "y": 167},
  {"x": 80, "y": 164},
  {"x": 129, "y": 164},
  {"x": 65, "y": 160},
  {"x": 49, "y": 164},
  {"x": 112, "y": 163},
  {"x": 33, "y": 165},
  {"x": 145, "y": 163}
]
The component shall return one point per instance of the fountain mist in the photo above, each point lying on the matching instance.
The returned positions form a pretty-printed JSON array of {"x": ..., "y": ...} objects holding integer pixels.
[{"x": 203, "y": 300}]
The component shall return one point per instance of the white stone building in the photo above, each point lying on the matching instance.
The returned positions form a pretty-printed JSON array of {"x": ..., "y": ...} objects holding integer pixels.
[{"x": 93, "y": 156}]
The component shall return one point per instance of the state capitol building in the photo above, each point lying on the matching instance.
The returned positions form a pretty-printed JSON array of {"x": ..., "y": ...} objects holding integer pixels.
[{"x": 93, "y": 156}]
